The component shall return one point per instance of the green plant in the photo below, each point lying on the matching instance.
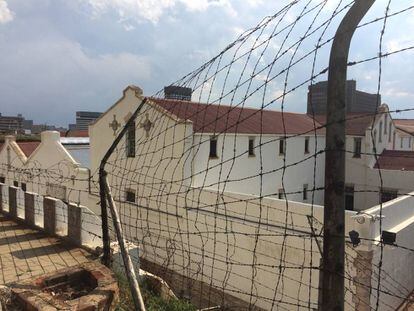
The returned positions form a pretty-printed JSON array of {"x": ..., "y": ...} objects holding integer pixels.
[{"x": 153, "y": 302}]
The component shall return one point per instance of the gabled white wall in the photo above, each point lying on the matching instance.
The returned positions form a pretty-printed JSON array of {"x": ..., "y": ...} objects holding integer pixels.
[
  {"x": 11, "y": 156},
  {"x": 101, "y": 134}
]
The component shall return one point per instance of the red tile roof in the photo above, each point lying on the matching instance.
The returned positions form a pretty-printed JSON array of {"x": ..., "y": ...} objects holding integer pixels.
[
  {"x": 28, "y": 147},
  {"x": 75, "y": 133},
  {"x": 406, "y": 125},
  {"x": 396, "y": 160},
  {"x": 209, "y": 118},
  {"x": 356, "y": 123}
]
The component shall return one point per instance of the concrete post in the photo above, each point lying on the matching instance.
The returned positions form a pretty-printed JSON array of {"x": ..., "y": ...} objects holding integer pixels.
[
  {"x": 362, "y": 280},
  {"x": 333, "y": 293},
  {"x": 13, "y": 202},
  {"x": 1, "y": 198},
  {"x": 75, "y": 224},
  {"x": 29, "y": 209},
  {"x": 49, "y": 214}
]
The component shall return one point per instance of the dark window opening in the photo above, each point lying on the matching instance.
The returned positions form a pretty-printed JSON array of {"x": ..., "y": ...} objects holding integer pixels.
[
  {"x": 305, "y": 192},
  {"x": 357, "y": 147},
  {"x": 23, "y": 186},
  {"x": 16, "y": 183},
  {"x": 251, "y": 147},
  {"x": 2, "y": 179},
  {"x": 130, "y": 196},
  {"x": 389, "y": 136},
  {"x": 281, "y": 194},
  {"x": 130, "y": 140},
  {"x": 213, "y": 147},
  {"x": 388, "y": 195},
  {"x": 380, "y": 133},
  {"x": 306, "y": 144},
  {"x": 349, "y": 198},
  {"x": 282, "y": 146}
]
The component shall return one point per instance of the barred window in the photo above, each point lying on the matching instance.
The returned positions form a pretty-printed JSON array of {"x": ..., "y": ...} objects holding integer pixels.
[
  {"x": 251, "y": 146},
  {"x": 130, "y": 141},
  {"x": 213, "y": 147}
]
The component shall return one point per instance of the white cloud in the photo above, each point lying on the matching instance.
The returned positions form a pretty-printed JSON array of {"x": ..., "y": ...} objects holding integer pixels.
[
  {"x": 5, "y": 14},
  {"x": 60, "y": 76},
  {"x": 150, "y": 10}
]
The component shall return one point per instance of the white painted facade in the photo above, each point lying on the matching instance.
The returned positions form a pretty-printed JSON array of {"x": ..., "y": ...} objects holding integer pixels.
[
  {"x": 49, "y": 170},
  {"x": 179, "y": 190}
]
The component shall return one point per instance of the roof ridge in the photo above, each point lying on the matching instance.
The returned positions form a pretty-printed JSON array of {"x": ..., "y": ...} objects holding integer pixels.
[{"x": 226, "y": 105}]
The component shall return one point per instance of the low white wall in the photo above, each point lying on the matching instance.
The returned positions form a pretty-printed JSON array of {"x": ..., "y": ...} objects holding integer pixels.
[
  {"x": 257, "y": 249},
  {"x": 394, "y": 264}
]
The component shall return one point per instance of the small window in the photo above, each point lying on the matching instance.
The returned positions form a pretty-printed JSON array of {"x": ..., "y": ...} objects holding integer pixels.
[
  {"x": 349, "y": 197},
  {"x": 16, "y": 183},
  {"x": 374, "y": 142},
  {"x": 380, "y": 133},
  {"x": 306, "y": 144},
  {"x": 282, "y": 145},
  {"x": 2, "y": 180},
  {"x": 213, "y": 147},
  {"x": 251, "y": 147},
  {"x": 385, "y": 124},
  {"x": 130, "y": 196},
  {"x": 401, "y": 142},
  {"x": 130, "y": 141},
  {"x": 23, "y": 186},
  {"x": 305, "y": 192},
  {"x": 393, "y": 140},
  {"x": 357, "y": 147},
  {"x": 281, "y": 194},
  {"x": 389, "y": 136},
  {"x": 409, "y": 143}
]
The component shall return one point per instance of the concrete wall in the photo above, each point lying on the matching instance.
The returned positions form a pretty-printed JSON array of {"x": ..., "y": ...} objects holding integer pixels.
[
  {"x": 48, "y": 170},
  {"x": 392, "y": 264},
  {"x": 68, "y": 220},
  {"x": 235, "y": 171}
]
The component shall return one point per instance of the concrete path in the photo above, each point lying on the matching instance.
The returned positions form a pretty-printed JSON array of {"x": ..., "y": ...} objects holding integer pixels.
[{"x": 26, "y": 252}]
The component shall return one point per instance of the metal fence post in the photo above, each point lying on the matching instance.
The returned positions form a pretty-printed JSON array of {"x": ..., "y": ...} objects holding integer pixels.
[
  {"x": 106, "y": 259},
  {"x": 334, "y": 211}
]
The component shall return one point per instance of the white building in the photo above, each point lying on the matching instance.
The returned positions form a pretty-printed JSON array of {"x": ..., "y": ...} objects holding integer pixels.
[{"x": 262, "y": 152}]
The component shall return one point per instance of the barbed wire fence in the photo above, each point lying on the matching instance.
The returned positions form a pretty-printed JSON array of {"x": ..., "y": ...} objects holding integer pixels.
[
  {"x": 181, "y": 202},
  {"x": 208, "y": 184},
  {"x": 196, "y": 182}
]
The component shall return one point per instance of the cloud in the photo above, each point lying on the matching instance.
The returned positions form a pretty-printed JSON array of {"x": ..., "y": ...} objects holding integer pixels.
[
  {"x": 59, "y": 76},
  {"x": 5, "y": 14},
  {"x": 150, "y": 10}
]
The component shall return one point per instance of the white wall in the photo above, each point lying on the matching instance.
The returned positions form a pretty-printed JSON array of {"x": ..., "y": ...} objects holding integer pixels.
[
  {"x": 397, "y": 268},
  {"x": 234, "y": 170}
]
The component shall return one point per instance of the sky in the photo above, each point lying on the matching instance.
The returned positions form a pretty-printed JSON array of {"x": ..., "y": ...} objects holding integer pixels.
[{"x": 61, "y": 56}]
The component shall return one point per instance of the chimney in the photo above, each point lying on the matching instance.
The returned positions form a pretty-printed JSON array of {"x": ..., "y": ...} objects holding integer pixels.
[
  {"x": 50, "y": 136},
  {"x": 178, "y": 92},
  {"x": 9, "y": 138}
]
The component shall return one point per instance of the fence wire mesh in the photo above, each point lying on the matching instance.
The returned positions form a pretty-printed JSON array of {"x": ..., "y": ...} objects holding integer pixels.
[{"x": 221, "y": 185}]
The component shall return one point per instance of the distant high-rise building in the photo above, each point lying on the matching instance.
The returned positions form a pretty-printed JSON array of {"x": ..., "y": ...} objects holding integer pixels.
[
  {"x": 84, "y": 118},
  {"x": 178, "y": 92},
  {"x": 356, "y": 101},
  {"x": 9, "y": 124}
]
